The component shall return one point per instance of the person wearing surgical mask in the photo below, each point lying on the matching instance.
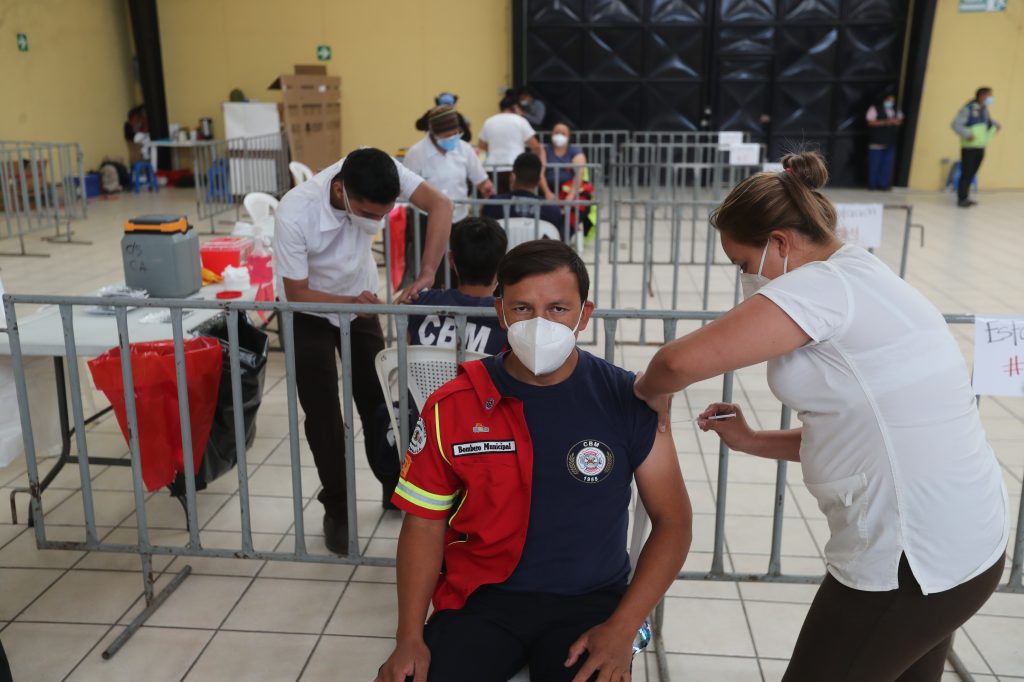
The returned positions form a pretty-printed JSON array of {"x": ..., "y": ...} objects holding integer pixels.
[
  {"x": 976, "y": 128},
  {"x": 570, "y": 160},
  {"x": 449, "y": 164},
  {"x": 890, "y": 443},
  {"x": 517, "y": 481},
  {"x": 884, "y": 121},
  {"x": 533, "y": 109},
  {"x": 323, "y": 231}
]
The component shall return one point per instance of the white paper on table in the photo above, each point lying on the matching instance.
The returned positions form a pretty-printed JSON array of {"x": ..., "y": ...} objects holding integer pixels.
[
  {"x": 747, "y": 154},
  {"x": 42, "y": 402},
  {"x": 999, "y": 356},
  {"x": 860, "y": 224},
  {"x": 728, "y": 138}
]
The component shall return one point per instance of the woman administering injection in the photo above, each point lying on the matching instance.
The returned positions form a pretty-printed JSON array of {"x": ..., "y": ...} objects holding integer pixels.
[{"x": 891, "y": 442}]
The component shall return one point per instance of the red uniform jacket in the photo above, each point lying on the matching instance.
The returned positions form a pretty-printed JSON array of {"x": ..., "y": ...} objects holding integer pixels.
[{"x": 470, "y": 461}]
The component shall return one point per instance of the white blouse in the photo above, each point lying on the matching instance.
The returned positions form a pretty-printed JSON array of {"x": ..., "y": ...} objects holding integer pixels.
[{"x": 893, "y": 448}]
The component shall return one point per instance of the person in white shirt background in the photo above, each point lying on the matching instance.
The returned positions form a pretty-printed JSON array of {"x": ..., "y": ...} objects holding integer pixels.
[
  {"x": 450, "y": 164},
  {"x": 891, "y": 443},
  {"x": 505, "y": 136},
  {"x": 447, "y": 162},
  {"x": 323, "y": 232}
]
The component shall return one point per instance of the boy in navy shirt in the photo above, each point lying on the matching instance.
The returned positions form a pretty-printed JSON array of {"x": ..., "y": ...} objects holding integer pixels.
[
  {"x": 477, "y": 244},
  {"x": 517, "y": 481}
]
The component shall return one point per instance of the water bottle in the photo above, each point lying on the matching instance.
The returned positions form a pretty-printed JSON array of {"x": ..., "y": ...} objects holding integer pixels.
[{"x": 643, "y": 637}]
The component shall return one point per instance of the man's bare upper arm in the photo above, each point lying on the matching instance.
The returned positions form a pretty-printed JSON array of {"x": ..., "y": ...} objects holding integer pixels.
[{"x": 660, "y": 482}]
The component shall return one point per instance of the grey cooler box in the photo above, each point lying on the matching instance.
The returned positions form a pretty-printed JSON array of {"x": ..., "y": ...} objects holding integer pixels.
[{"x": 161, "y": 255}]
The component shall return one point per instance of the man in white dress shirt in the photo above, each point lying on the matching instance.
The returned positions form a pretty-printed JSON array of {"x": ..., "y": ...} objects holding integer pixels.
[{"x": 323, "y": 232}]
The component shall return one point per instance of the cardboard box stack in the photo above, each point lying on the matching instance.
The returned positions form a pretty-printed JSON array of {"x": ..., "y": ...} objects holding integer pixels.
[{"x": 311, "y": 110}]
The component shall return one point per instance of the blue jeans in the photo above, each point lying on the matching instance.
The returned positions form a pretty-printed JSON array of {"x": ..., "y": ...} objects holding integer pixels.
[{"x": 880, "y": 167}]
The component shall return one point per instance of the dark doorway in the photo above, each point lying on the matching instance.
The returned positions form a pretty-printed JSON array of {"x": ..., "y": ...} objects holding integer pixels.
[{"x": 790, "y": 72}]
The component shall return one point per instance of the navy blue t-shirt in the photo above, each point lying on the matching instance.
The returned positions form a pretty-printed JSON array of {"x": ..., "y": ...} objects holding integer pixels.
[
  {"x": 589, "y": 434},
  {"x": 483, "y": 334}
]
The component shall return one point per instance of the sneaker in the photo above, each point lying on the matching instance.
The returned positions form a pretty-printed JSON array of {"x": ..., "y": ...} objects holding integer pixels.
[
  {"x": 335, "y": 535},
  {"x": 966, "y": 203}
]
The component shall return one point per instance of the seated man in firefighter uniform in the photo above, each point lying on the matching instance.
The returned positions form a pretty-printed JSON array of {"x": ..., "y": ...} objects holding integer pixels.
[{"x": 517, "y": 488}]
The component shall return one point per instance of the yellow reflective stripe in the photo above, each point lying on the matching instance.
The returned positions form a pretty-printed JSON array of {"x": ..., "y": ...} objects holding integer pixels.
[
  {"x": 458, "y": 509},
  {"x": 437, "y": 430},
  {"x": 423, "y": 498}
]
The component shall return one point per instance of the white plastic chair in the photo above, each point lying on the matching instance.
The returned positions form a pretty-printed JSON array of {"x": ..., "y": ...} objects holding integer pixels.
[
  {"x": 259, "y": 205},
  {"x": 523, "y": 230},
  {"x": 429, "y": 368},
  {"x": 300, "y": 172}
]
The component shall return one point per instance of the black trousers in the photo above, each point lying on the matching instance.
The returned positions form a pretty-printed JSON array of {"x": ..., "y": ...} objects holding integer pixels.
[
  {"x": 856, "y": 636},
  {"x": 317, "y": 344},
  {"x": 497, "y": 632},
  {"x": 970, "y": 162}
]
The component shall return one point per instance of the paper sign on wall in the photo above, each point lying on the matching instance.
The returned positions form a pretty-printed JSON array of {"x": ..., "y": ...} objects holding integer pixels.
[
  {"x": 860, "y": 224},
  {"x": 999, "y": 356},
  {"x": 772, "y": 167},
  {"x": 728, "y": 138},
  {"x": 745, "y": 154},
  {"x": 982, "y": 5}
]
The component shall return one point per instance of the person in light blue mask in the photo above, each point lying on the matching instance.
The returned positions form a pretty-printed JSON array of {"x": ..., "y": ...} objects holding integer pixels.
[
  {"x": 976, "y": 128},
  {"x": 450, "y": 164}
]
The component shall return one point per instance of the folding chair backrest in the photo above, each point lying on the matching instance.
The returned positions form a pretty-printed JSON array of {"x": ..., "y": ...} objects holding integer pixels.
[
  {"x": 259, "y": 204},
  {"x": 429, "y": 368},
  {"x": 522, "y": 229},
  {"x": 300, "y": 172}
]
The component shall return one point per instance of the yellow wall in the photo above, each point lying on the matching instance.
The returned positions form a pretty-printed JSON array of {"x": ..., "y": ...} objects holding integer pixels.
[
  {"x": 75, "y": 83},
  {"x": 393, "y": 57},
  {"x": 968, "y": 51}
]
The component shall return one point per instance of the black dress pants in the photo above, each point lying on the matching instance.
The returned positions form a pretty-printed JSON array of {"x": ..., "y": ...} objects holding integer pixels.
[
  {"x": 317, "y": 345},
  {"x": 857, "y": 636},
  {"x": 970, "y": 162}
]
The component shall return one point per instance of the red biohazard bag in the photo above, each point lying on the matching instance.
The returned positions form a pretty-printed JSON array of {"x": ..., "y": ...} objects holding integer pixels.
[
  {"x": 398, "y": 224},
  {"x": 156, "y": 401}
]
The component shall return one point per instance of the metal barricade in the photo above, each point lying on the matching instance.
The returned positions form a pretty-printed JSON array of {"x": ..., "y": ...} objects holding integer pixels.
[
  {"x": 580, "y": 138},
  {"x": 653, "y": 235},
  {"x": 668, "y": 167},
  {"x": 146, "y": 548},
  {"x": 42, "y": 185},
  {"x": 226, "y": 170}
]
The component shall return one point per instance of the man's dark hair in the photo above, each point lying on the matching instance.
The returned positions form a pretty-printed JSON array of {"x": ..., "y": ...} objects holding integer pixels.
[
  {"x": 477, "y": 245},
  {"x": 982, "y": 91},
  {"x": 526, "y": 168},
  {"x": 370, "y": 175},
  {"x": 540, "y": 257},
  {"x": 523, "y": 90},
  {"x": 507, "y": 102}
]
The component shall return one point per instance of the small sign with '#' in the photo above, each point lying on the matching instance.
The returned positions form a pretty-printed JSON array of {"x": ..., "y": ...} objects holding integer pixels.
[{"x": 323, "y": 53}]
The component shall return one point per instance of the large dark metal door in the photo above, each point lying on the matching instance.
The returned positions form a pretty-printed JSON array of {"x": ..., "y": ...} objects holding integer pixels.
[{"x": 790, "y": 72}]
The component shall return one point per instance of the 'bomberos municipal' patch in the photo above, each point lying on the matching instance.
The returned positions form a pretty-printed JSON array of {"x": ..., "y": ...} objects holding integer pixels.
[
  {"x": 484, "y": 447},
  {"x": 590, "y": 461},
  {"x": 419, "y": 437}
]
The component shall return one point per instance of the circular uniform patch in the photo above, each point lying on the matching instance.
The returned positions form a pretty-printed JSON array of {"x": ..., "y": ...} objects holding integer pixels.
[
  {"x": 590, "y": 461},
  {"x": 419, "y": 437}
]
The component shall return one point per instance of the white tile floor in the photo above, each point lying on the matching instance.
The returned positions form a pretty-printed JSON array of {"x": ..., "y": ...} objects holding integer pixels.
[{"x": 254, "y": 620}]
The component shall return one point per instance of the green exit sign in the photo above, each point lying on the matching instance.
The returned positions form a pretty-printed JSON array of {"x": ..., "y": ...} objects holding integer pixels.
[
  {"x": 323, "y": 53},
  {"x": 22, "y": 42}
]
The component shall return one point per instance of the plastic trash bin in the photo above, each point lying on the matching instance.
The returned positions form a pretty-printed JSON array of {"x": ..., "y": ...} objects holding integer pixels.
[{"x": 156, "y": 401}]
